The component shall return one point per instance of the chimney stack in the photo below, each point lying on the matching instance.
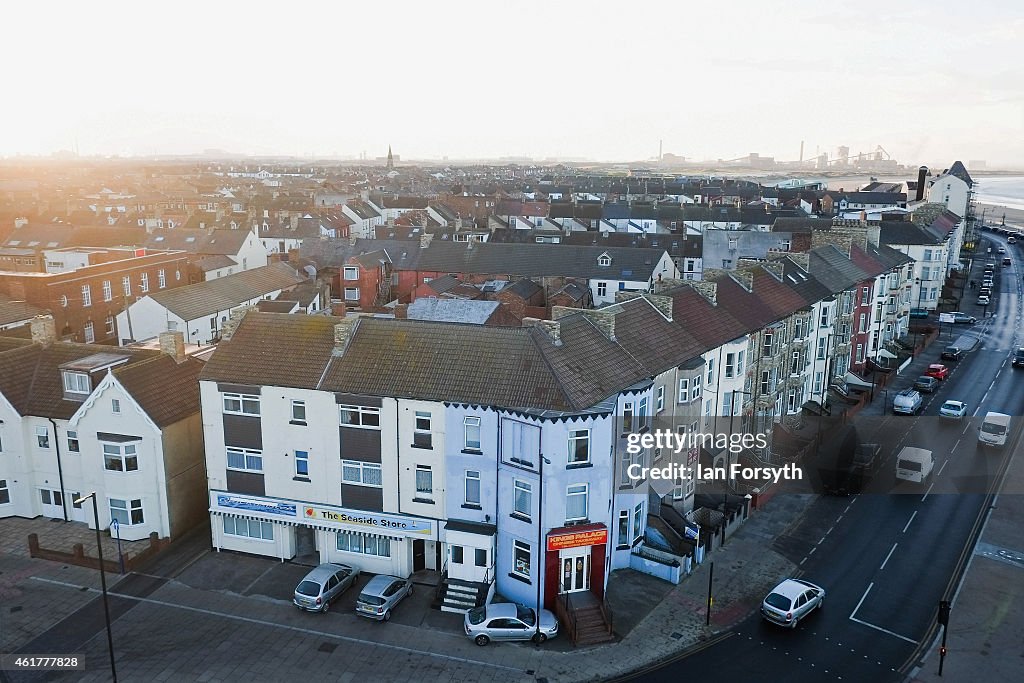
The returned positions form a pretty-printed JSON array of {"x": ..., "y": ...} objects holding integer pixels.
[
  {"x": 44, "y": 330},
  {"x": 173, "y": 344},
  {"x": 922, "y": 173}
]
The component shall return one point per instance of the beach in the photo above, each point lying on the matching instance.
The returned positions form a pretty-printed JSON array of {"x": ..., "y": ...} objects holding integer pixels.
[{"x": 994, "y": 214}]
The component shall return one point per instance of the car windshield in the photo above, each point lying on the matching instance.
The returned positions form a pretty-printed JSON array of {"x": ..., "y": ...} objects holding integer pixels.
[
  {"x": 954, "y": 407},
  {"x": 310, "y": 588},
  {"x": 525, "y": 615},
  {"x": 477, "y": 615},
  {"x": 778, "y": 601},
  {"x": 909, "y": 465},
  {"x": 371, "y": 599}
]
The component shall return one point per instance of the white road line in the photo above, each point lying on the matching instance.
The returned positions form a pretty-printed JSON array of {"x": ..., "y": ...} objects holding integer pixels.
[
  {"x": 812, "y": 552},
  {"x": 909, "y": 521},
  {"x": 954, "y": 446},
  {"x": 821, "y": 541},
  {"x": 272, "y": 624},
  {"x": 884, "y": 630},
  {"x": 943, "y": 465},
  {"x": 891, "y": 551},
  {"x": 928, "y": 491},
  {"x": 868, "y": 590}
]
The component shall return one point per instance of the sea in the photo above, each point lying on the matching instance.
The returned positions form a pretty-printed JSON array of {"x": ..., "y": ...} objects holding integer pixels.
[{"x": 1005, "y": 191}]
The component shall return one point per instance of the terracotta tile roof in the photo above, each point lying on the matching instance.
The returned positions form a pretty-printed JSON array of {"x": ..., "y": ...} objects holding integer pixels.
[
  {"x": 274, "y": 349},
  {"x": 168, "y": 391}
]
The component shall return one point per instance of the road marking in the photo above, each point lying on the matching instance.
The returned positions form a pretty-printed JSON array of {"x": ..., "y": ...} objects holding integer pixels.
[
  {"x": 909, "y": 521},
  {"x": 891, "y": 551},
  {"x": 943, "y": 465},
  {"x": 870, "y": 586},
  {"x": 812, "y": 552},
  {"x": 272, "y": 624},
  {"x": 822, "y": 540},
  {"x": 884, "y": 630},
  {"x": 928, "y": 491},
  {"x": 954, "y": 446}
]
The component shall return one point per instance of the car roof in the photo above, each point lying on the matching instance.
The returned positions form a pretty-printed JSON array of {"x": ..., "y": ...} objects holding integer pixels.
[
  {"x": 791, "y": 588},
  {"x": 501, "y": 610},
  {"x": 998, "y": 418},
  {"x": 324, "y": 571},
  {"x": 379, "y": 583},
  {"x": 936, "y": 365}
]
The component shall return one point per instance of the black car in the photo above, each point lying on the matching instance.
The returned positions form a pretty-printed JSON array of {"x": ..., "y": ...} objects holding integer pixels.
[
  {"x": 1018, "y": 358},
  {"x": 952, "y": 353},
  {"x": 926, "y": 384}
]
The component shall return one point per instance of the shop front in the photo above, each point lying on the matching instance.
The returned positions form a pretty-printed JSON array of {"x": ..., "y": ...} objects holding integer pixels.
[
  {"x": 377, "y": 543},
  {"x": 574, "y": 561}
]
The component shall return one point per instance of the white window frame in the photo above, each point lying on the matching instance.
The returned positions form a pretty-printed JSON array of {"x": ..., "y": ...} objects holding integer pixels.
[
  {"x": 42, "y": 437},
  {"x": 684, "y": 389},
  {"x": 126, "y": 285},
  {"x": 472, "y": 476},
  {"x": 575, "y": 491},
  {"x": 360, "y": 417},
  {"x": 301, "y": 457},
  {"x": 161, "y": 278},
  {"x": 695, "y": 388},
  {"x": 575, "y": 437},
  {"x": 144, "y": 282},
  {"x": 107, "y": 294},
  {"x": 89, "y": 332},
  {"x": 472, "y": 432},
  {"x": 521, "y": 487},
  {"x": 659, "y": 399},
  {"x": 248, "y": 404},
  {"x": 127, "y": 461},
  {"x": 264, "y": 529},
  {"x": 520, "y": 568},
  {"x": 365, "y": 473},
  {"x": 128, "y": 506},
  {"x": 350, "y": 270},
  {"x": 252, "y": 459},
  {"x": 74, "y": 445},
  {"x": 351, "y": 294},
  {"x": 298, "y": 411},
  {"x": 115, "y": 406},
  {"x": 86, "y": 296},
  {"x": 426, "y": 474}
]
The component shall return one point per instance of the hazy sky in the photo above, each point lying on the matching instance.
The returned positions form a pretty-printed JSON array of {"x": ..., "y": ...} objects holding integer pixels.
[{"x": 929, "y": 81}]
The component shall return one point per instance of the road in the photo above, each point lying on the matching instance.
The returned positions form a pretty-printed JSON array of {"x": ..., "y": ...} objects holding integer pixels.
[{"x": 888, "y": 555}]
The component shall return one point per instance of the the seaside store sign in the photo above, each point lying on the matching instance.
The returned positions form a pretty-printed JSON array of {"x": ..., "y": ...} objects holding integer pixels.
[{"x": 363, "y": 521}]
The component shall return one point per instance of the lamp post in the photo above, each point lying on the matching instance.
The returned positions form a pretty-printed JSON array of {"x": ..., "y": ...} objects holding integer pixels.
[
  {"x": 540, "y": 544},
  {"x": 725, "y": 493},
  {"x": 103, "y": 580}
]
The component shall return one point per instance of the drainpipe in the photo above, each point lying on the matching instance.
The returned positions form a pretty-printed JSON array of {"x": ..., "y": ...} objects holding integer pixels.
[{"x": 60, "y": 471}]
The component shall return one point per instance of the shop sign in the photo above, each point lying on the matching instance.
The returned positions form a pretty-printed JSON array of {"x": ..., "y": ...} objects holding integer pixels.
[
  {"x": 368, "y": 521},
  {"x": 269, "y": 507},
  {"x": 578, "y": 539}
]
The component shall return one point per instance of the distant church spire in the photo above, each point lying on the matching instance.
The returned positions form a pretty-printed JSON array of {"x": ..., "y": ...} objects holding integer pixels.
[{"x": 391, "y": 160}]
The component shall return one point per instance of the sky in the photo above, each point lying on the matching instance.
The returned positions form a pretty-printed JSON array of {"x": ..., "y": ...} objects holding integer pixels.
[{"x": 930, "y": 82}]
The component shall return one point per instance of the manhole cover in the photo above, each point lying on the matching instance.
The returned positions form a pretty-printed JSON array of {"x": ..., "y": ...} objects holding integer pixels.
[
  {"x": 328, "y": 647},
  {"x": 677, "y": 635}
]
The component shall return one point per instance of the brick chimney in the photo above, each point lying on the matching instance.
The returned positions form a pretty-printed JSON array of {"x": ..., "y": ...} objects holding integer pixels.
[
  {"x": 401, "y": 311},
  {"x": 425, "y": 241},
  {"x": 44, "y": 330},
  {"x": 173, "y": 344},
  {"x": 343, "y": 332},
  {"x": 227, "y": 330},
  {"x": 552, "y": 328}
]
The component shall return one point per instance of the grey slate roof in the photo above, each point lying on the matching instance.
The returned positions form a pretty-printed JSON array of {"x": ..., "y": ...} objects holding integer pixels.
[
  {"x": 334, "y": 253},
  {"x": 208, "y": 298},
  {"x": 540, "y": 260}
]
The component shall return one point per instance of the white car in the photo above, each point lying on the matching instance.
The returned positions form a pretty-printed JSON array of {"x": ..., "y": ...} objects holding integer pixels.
[
  {"x": 953, "y": 410},
  {"x": 791, "y": 601},
  {"x": 983, "y": 300}
]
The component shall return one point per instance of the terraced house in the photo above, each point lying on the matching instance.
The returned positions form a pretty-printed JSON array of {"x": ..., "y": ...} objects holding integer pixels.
[{"x": 497, "y": 457}]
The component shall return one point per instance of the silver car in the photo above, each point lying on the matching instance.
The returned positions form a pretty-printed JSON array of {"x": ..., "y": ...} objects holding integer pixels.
[
  {"x": 380, "y": 596},
  {"x": 324, "y": 584},
  {"x": 791, "y": 601},
  {"x": 508, "y": 621}
]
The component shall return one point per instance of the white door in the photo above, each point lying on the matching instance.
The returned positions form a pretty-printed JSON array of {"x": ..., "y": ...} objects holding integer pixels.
[
  {"x": 76, "y": 512},
  {"x": 51, "y": 503},
  {"x": 575, "y": 569}
]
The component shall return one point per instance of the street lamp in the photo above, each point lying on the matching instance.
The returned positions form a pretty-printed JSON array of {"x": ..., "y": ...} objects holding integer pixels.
[
  {"x": 103, "y": 580},
  {"x": 540, "y": 544}
]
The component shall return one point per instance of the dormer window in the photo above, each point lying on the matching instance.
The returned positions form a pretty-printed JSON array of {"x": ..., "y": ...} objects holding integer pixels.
[
  {"x": 604, "y": 260},
  {"x": 77, "y": 383}
]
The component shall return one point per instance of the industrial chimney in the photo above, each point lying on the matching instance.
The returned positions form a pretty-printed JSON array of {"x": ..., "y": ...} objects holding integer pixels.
[{"x": 922, "y": 173}]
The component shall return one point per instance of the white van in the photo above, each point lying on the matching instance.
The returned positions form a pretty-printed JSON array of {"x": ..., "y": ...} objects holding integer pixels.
[
  {"x": 994, "y": 429},
  {"x": 907, "y": 402},
  {"x": 914, "y": 464}
]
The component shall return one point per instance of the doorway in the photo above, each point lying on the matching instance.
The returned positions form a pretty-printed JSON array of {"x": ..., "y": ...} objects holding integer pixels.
[
  {"x": 576, "y": 570},
  {"x": 419, "y": 554}
]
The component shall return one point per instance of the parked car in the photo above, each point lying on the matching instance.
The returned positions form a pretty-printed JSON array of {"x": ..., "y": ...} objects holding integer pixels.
[
  {"x": 791, "y": 601},
  {"x": 324, "y": 584},
  {"x": 938, "y": 371},
  {"x": 381, "y": 595},
  {"x": 952, "y": 353},
  {"x": 962, "y": 318},
  {"x": 1002, "y": 250},
  {"x": 926, "y": 384},
  {"x": 953, "y": 410},
  {"x": 1018, "y": 358},
  {"x": 907, "y": 402},
  {"x": 985, "y": 291},
  {"x": 919, "y": 313},
  {"x": 508, "y": 621}
]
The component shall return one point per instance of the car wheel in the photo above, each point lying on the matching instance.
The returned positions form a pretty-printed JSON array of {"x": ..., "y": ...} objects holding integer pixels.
[
  {"x": 327, "y": 606},
  {"x": 481, "y": 640},
  {"x": 410, "y": 590},
  {"x": 821, "y": 603},
  {"x": 387, "y": 615},
  {"x": 539, "y": 638},
  {"x": 795, "y": 622}
]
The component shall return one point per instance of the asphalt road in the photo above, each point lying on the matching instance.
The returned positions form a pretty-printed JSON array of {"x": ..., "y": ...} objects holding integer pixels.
[{"x": 888, "y": 555}]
